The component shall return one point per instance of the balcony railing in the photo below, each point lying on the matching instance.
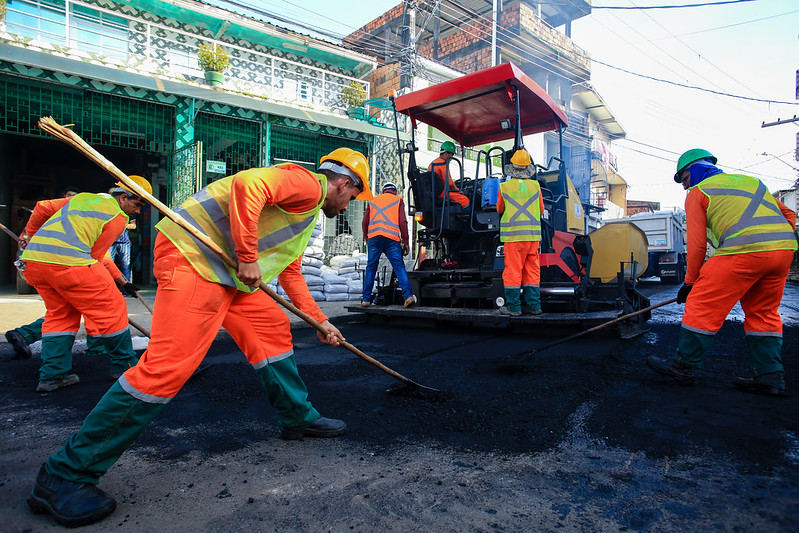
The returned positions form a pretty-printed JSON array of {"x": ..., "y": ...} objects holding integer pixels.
[{"x": 90, "y": 32}]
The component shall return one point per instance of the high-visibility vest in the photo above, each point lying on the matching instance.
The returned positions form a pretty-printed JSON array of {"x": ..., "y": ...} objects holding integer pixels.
[
  {"x": 743, "y": 216},
  {"x": 384, "y": 217},
  {"x": 282, "y": 236},
  {"x": 68, "y": 236},
  {"x": 521, "y": 220}
]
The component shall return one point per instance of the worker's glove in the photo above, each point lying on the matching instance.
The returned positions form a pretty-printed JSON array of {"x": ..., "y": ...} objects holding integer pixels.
[
  {"x": 130, "y": 288},
  {"x": 682, "y": 294}
]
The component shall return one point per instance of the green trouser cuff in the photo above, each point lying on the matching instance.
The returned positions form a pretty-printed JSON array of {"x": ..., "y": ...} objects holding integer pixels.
[
  {"x": 95, "y": 345},
  {"x": 531, "y": 297},
  {"x": 120, "y": 350},
  {"x": 56, "y": 356},
  {"x": 513, "y": 300},
  {"x": 287, "y": 393},
  {"x": 765, "y": 354},
  {"x": 108, "y": 430},
  {"x": 692, "y": 347},
  {"x": 31, "y": 332}
]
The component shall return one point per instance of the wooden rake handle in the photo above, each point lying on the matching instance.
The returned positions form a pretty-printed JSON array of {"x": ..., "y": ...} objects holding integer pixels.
[
  {"x": 10, "y": 233},
  {"x": 49, "y": 125}
]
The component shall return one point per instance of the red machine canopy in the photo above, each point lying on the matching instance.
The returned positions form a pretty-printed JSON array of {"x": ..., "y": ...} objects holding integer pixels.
[{"x": 470, "y": 108}]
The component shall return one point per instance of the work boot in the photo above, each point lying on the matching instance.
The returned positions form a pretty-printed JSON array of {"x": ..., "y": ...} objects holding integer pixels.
[
  {"x": 71, "y": 504},
  {"x": 682, "y": 374},
  {"x": 409, "y": 301},
  {"x": 365, "y": 303},
  {"x": 323, "y": 427},
  {"x": 504, "y": 310},
  {"x": 52, "y": 384},
  {"x": 20, "y": 345},
  {"x": 529, "y": 310},
  {"x": 772, "y": 384}
]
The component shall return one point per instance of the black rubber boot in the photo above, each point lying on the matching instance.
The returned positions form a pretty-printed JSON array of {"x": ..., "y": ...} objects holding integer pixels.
[
  {"x": 772, "y": 384},
  {"x": 682, "y": 374},
  {"x": 21, "y": 347},
  {"x": 71, "y": 504},
  {"x": 323, "y": 427}
]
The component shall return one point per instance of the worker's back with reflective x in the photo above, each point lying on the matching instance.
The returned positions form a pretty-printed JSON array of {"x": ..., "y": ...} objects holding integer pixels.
[{"x": 743, "y": 216}]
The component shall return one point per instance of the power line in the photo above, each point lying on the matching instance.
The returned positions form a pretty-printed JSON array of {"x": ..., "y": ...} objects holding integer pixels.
[
  {"x": 704, "y": 4},
  {"x": 732, "y": 25},
  {"x": 473, "y": 30},
  {"x": 704, "y": 58},
  {"x": 686, "y": 86},
  {"x": 671, "y": 160}
]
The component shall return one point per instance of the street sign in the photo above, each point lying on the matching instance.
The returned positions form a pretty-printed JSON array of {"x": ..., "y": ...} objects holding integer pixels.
[{"x": 217, "y": 167}]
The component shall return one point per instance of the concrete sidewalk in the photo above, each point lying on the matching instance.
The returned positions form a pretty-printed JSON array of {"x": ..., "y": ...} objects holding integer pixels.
[{"x": 19, "y": 309}]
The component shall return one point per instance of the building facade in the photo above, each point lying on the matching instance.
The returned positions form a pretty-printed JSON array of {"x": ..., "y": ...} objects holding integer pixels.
[
  {"x": 126, "y": 76},
  {"x": 413, "y": 38}
]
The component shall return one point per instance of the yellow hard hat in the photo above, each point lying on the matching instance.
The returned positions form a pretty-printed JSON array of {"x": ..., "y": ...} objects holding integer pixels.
[
  {"x": 521, "y": 158},
  {"x": 140, "y": 181},
  {"x": 355, "y": 162}
]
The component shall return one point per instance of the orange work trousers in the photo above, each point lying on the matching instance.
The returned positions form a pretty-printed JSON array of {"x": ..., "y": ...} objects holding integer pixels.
[
  {"x": 459, "y": 198},
  {"x": 71, "y": 291},
  {"x": 188, "y": 313},
  {"x": 756, "y": 279},
  {"x": 522, "y": 265}
]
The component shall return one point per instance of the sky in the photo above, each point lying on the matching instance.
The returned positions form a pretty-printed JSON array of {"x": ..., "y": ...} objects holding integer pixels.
[{"x": 748, "y": 50}]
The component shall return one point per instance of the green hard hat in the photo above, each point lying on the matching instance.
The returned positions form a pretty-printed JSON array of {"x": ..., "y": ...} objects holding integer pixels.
[
  {"x": 692, "y": 156},
  {"x": 448, "y": 146}
]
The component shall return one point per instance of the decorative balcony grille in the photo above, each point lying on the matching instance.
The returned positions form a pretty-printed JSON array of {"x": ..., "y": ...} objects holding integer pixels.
[{"x": 168, "y": 48}]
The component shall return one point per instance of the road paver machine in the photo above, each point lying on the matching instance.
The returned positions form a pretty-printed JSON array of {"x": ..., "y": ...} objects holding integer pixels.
[{"x": 585, "y": 279}]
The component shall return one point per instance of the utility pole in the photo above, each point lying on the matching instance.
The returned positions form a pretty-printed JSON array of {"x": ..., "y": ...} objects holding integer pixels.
[{"x": 408, "y": 30}]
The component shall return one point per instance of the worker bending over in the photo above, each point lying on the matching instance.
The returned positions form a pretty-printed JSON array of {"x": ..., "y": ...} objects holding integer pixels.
[
  {"x": 265, "y": 216},
  {"x": 20, "y": 338},
  {"x": 70, "y": 236},
  {"x": 754, "y": 240},
  {"x": 520, "y": 204}
]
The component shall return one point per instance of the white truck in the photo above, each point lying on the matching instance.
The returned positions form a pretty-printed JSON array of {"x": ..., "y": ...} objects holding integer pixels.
[{"x": 665, "y": 232}]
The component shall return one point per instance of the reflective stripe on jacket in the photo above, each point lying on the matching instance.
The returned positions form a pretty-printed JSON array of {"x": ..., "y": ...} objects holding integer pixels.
[
  {"x": 68, "y": 236},
  {"x": 384, "y": 216},
  {"x": 521, "y": 220},
  {"x": 743, "y": 217},
  {"x": 282, "y": 236}
]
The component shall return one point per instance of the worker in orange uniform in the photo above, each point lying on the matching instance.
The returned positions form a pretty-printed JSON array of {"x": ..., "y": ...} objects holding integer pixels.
[
  {"x": 754, "y": 240},
  {"x": 520, "y": 204},
  {"x": 386, "y": 230},
  {"x": 440, "y": 166},
  {"x": 69, "y": 237},
  {"x": 22, "y": 337},
  {"x": 265, "y": 215}
]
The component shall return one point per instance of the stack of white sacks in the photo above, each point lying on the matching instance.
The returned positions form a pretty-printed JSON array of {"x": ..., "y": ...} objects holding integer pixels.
[
  {"x": 344, "y": 277},
  {"x": 341, "y": 280}
]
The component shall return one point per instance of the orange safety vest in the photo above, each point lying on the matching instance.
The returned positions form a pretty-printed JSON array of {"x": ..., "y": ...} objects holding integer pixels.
[
  {"x": 282, "y": 236},
  {"x": 384, "y": 217},
  {"x": 743, "y": 217}
]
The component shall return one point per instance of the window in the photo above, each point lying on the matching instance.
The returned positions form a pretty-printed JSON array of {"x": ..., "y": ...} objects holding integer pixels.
[
  {"x": 99, "y": 32},
  {"x": 38, "y": 19}
]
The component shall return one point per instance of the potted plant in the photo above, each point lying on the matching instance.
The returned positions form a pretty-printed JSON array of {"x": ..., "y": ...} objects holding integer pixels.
[
  {"x": 214, "y": 60},
  {"x": 354, "y": 96}
]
